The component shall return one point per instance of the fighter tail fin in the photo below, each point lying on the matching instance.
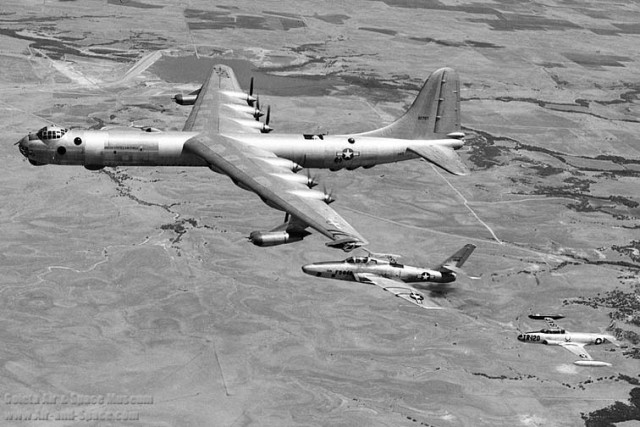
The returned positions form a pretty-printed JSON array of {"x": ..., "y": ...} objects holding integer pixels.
[
  {"x": 434, "y": 113},
  {"x": 455, "y": 261}
]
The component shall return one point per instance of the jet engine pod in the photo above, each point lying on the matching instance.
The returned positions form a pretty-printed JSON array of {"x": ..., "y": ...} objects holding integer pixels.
[
  {"x": 185, "y": 99},
  {"x": 273, "y": 238}
]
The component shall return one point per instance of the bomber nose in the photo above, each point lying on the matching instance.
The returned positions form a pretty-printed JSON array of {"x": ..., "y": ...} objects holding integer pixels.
[{"x": 22, "y": 146}]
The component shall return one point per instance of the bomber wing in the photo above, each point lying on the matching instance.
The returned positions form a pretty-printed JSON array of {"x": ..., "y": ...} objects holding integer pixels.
[
  {"x": 399, "y": 289},
  {"x": 271, "y": 179},
  {"x": 221, "y": 107},
  {"x": 577, "y": 349}
]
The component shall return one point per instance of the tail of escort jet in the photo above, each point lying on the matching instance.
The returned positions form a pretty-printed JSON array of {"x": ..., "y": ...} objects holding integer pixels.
[{"x": 454, "y": 262}]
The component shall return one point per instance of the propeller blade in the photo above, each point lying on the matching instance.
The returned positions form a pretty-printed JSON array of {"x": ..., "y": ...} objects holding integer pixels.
[
  {"x": 311, "y": 181},
  {"x": 266, "y": 128},
  {"x": 257, "y": 113},
  {"x": 328, "y": 197},
  {"x": 250, "y": 99}
]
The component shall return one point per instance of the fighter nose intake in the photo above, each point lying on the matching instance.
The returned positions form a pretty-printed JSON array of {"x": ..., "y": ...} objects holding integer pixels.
[{"x": 311, "y": 269}]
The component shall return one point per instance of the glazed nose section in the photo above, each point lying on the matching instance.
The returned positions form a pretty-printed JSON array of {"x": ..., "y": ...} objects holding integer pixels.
[{"x": 312, "y": 269}]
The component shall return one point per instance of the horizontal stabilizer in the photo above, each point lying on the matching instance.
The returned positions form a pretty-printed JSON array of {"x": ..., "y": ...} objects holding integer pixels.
[{"x": 442, "y": 156}]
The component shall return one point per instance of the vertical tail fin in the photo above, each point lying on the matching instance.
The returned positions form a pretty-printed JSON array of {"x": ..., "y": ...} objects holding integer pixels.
[
  {"x": 434, "y": 113},
  {"x": 455, "y": 261}
]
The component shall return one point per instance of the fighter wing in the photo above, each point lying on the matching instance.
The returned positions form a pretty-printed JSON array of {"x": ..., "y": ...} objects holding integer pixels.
[
  {"x": 272, "y": 179},
  {"x": 577, "y": 349},
  {"x": 222, "y": 107},
  {"x": 442, "y": 156},
  {"x": 399, "y": 289}
]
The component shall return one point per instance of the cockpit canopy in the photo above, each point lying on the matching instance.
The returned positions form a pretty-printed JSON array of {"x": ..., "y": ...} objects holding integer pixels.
[
  {"x": 552, "y": 331},
  {"x": 359, "y": 260},
  {"x": 51, "y": 132}
]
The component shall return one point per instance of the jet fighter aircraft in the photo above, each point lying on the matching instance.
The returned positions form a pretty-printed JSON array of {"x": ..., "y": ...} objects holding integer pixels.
[
  {"x": 384, "y": 271},
  {"x": 223, "y": 133},
  {"x": 572, "y": 341}
]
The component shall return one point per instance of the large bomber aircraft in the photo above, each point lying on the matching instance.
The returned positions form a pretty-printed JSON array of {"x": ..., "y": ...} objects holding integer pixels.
[
  {"x": 385, "y": 271},
  {"x": 572, "y": 341},
  {"x": 223, "y": 133}
]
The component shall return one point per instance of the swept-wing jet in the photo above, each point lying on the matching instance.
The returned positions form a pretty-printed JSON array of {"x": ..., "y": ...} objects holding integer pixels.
[
  {"x": 572, "y": 341},
  {"x": 223, "y": 133},
  {"x": 386, "y": 272}
]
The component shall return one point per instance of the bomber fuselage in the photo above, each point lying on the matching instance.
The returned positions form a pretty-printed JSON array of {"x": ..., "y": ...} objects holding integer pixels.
[{"x": 98, "y": 148}]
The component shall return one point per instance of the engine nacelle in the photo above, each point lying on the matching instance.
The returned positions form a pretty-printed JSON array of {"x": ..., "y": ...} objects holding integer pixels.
[
  {"x": 273, "y": 238},
  {"x": 302, "y": 179},
  {"x": 314, "y": 194},
  {"x": 282, "y": 163}
]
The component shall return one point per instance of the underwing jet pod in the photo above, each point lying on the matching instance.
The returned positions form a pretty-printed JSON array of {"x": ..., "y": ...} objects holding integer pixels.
[
  {"x": 385, "y": 272},
  {"x": 223, "y": 133},
  {"x": 188, "y": 99},
  {"x": 572, "y": 341}
]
